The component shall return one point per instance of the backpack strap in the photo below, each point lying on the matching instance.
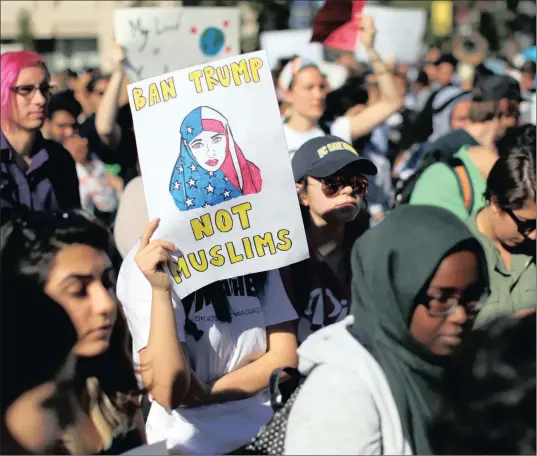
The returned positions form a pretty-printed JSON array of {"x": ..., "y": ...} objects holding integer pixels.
[
  {"x": 277, "y": 397},
  {"x": 465, "y": 185},
  {"x": 448, "y": 102}
]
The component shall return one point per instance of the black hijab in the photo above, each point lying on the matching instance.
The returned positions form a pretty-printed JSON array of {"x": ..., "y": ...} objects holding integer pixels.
[{"x": 391, "y": 265}]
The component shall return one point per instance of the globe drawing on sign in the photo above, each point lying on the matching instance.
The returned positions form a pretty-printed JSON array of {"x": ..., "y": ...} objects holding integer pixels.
[{"x": 211, "y": 41}]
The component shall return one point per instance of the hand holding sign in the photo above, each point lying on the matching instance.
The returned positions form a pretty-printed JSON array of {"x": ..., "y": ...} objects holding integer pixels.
[
  {"x": 367, "y": 31},
  {"x": 152, "y": 255},
  {"x": 118, "y": 56}
]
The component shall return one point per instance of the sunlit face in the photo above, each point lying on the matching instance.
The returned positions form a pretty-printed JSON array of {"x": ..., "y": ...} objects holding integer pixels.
[
  {"x": 209, "y": 149},
  {"x": 510, "y": 114},
  {"x": 36, "y": 418},
  {"x": 341, "y": 208},
  {"x": 526, "y": 81},
  {"x": 510, "y": 229},
  {"x": 77, "y": 146},
  {"x": 308, "y": 94},
  {"x": 61, "y": 126},
  {"x": 444, "y": 73},
  {"x": 459, "y": 116},
  {"x": 457, "y": 276},
  {"x": 29, "y": 103},
  {"x": 431, "y": 70},
  {"x": 401, "y": 85},
  {"x": 82, "y": 281},
  {"x": 98, "y": 91}
]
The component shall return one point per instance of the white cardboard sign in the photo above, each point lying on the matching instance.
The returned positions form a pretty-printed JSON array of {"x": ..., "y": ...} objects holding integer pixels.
[
  {"x": 281, "y": 44},
  {"x": 399, "y": 33},
  {"x": 160, "y": 40},
  {"x": 216, "y": 170}
]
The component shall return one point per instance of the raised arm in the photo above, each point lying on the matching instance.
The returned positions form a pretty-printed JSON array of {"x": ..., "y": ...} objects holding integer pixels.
[
  {"x": 105, "y": 118},
  {"x": 164, "y": 367},
  {"x": 390, "y": 100}
]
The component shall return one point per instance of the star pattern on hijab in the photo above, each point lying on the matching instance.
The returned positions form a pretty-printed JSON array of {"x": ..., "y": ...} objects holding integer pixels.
[{"x": 191, "y": 185}]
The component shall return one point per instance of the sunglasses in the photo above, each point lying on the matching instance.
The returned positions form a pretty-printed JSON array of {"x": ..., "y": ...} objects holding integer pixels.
[
  {"x": 331, "y": 186},
  {"x": 28, "y": 90},
  {"x": 524, "y": 227}
]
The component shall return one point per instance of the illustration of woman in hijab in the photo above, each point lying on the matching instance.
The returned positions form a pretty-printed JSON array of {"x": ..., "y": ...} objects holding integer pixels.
[{"x": 211, "y": 167}]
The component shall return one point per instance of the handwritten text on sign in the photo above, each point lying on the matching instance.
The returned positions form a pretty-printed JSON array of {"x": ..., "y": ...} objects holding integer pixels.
[
  {"x": 234, "y": 252},
  {"x": 150, "y": 37},
  {"x": 216, "y": 170},
  {"x": 245, "y": 71}
]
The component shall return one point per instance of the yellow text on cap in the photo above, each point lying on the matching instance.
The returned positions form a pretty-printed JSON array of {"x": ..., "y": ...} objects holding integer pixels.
[{"x": 335, "y": 146}]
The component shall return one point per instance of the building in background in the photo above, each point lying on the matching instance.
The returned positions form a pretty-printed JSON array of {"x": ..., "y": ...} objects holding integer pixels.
[{"x": 69, "y": 34}]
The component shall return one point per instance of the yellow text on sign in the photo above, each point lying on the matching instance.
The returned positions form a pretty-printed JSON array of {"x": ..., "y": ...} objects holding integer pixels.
[
  {"x": 223, "y": 220},
  {"x": 156, "y": 93},
  {"x": 244, "y": 71}
]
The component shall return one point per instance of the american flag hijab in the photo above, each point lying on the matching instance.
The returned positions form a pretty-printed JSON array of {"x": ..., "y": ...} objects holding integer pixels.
[{"x": 192, "y": 185}]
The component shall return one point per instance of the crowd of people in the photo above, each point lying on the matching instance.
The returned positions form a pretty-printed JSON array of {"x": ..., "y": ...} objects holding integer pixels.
[{"x": 412, "y": 321}]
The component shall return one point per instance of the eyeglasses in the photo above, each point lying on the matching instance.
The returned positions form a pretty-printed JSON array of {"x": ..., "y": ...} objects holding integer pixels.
[
  {"x": 331, "y": 186},
  {"x": 28, "y": 90},
  {"x": 524, "y": 227},
  {"x": 443, "y": 306}
]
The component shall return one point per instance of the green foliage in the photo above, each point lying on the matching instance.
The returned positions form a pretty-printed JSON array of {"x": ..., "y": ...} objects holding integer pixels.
[{"x": 25, "y": 35}]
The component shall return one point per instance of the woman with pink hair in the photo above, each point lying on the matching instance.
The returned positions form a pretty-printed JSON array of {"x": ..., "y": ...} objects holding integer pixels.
[{"x": 36, "y": 174}]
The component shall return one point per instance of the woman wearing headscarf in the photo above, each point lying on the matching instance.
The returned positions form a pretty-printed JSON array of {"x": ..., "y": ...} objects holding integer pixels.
[
  {"x": 211, "y": 167},
  {"x": 373, "y": 378}
]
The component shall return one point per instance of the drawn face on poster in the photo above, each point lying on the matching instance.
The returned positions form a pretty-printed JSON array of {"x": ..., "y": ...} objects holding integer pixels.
[
  {"x": 150, "y": 37},
  {"x": 211, "y": 167}
]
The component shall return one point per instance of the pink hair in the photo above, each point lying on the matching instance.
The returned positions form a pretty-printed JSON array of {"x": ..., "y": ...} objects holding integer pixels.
[{"x": 11, "y": 64}]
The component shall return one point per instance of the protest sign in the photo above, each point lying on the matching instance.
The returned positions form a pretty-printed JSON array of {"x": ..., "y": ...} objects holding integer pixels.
[
  {"x": 216, "y": 170},
  {"x": 399, "y": 33},
  {"x": 281, "y": 44},
  {"x": 337, "y": 23},
  {"x": 159, "y": 40}
]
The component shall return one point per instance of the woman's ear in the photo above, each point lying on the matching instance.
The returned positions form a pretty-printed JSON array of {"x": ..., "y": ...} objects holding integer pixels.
[
  {"x": 302, "y": 194},
  {"x": 494, "y": 205},
  {"x": 287, "y": 96}
]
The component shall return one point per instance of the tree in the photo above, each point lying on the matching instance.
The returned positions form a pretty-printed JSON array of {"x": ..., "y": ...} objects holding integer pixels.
[{"x": 25, "y": 35}]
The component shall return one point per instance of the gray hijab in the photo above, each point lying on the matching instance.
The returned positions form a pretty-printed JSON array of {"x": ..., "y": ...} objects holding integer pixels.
[{"x": 391, "y": 264}]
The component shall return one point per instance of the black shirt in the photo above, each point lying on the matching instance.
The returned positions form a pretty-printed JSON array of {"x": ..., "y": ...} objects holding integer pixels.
[
  {"x": 126, "y": 153},
  {"x": 48, "y": 183}
]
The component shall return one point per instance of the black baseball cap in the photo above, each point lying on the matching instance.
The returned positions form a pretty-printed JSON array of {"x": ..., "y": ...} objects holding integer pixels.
[
  {"x": 496, "y": 88},
  {"x": 325, "y": 155}
]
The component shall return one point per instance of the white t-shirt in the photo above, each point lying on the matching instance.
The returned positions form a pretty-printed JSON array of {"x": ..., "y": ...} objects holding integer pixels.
[
  {"x": 341, "y": 128},
  {"x": 218, "y": 350}
]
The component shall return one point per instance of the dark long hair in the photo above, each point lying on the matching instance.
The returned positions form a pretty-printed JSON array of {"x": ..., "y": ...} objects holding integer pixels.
[
  {"x": 30, "y": 243},
  {"x": 511, "y": 181},
  {"x": 488, "y": 392},
  {"x": 36, "y": 337}
]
